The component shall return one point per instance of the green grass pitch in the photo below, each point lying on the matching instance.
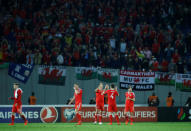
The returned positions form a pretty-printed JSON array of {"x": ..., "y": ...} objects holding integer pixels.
[{"x": 138, "y": 126}]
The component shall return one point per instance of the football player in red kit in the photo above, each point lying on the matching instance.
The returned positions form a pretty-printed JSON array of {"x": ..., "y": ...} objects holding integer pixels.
[
  {"x": 78, "y": 102},
  {"x": 129, "y": 105},
  {"x": 99, "y": 103},
  {"x": 112, "y": 106},
  {"x": 17, "y": 106}
]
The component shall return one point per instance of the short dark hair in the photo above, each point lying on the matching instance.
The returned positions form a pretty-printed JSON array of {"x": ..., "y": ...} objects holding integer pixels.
[
  {"x": 112, "y": 86},
  {"x": 16, "y": 84},
  {"x": 32, "y": 93}
]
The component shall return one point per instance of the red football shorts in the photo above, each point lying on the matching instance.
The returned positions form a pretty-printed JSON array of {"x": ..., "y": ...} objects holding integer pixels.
[
  {"x": 129, "y": 108},
  {"x": 78, "y": 106},
  {"x": 100, "y": 107},
  {"x": 17, "y": 109},
  {"x": 112, "y": 108}
]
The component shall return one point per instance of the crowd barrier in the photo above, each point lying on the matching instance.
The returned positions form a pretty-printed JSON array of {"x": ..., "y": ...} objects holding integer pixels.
[{"x": 66, "y": 113}]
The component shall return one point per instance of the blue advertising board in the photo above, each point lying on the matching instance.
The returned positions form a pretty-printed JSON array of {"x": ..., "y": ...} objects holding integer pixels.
[
  {"x": 31, "y": 113},
  {"x": 21, "y": 72}
]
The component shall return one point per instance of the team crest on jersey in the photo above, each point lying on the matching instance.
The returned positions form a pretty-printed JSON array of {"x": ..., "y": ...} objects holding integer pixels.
[
  {"x": 69, "y": 114},
  {"x": 48, "y": 114}
]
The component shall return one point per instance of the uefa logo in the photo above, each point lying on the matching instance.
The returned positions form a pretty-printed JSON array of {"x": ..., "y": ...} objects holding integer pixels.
[
  {"x": 48, "y": 114},
  {"x": 69, "y": 114}
]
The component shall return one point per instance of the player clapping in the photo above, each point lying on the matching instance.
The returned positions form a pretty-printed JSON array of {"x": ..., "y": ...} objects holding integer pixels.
[
  {"x": 99, "y": 103},
  {"x": 112, "y": 106},
  {"x": 129, "y": 105}
]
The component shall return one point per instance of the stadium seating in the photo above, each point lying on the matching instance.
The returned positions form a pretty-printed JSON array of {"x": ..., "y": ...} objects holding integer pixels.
[{"x": 123, "y": 34}]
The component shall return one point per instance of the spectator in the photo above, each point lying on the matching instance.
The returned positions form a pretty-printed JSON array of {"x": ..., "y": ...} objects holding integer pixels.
[
  {"x": 147, "y": 53},
  {"x": 145, "y": 64},
  {"x": 105, "y": 31},
  {"x": 172, "y": 66},
  {"x": 32, "y": 99},
  {"x": 155, "y": 48},
  {"x": 30, "y": 58},
  {"x": 180, "y": 66},
  {"x": 140, "y": 54},
  {"x": 169, "y": 100},
  {"x": 164, "y": 66},
  {"x": 123, "y": 46},
  {"x": 153, "y": 100},
  {"x": 137, "y": 64},
  {"x": 92, "y": 101},
  {"x": 46, "y": 58},
  {"x": 154, "y": 64},
  {"x": 188, "y": 102},
  {"x": 176, "y": 56},
  {"x": 37, "y": 58},
  {"x": 112, "y": 42},
  {"x": 60, "y": 59},
  {"x": 189, "y": 66},
  {"x": 168, "y": 52}
]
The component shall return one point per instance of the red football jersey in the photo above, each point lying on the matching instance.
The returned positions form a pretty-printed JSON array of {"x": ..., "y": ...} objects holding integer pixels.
[
  {"x": 17, "y": 96},
  {"x": 111, "y": 96},
  {"x": 78, "y": 97},
  {"x": 131, "y": 95},
  {"x": 99, "y": 97}
]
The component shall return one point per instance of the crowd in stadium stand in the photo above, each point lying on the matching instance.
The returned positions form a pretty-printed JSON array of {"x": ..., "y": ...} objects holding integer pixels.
[{"x": 124, "y": 34}]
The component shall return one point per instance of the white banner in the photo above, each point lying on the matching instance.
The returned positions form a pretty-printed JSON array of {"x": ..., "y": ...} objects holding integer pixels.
[{"x": 138, "y": 80}]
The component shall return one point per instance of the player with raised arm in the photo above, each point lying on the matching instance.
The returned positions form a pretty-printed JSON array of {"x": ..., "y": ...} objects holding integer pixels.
[
  {"x": 99, "y": 103},
  {"x": 112, "y": 106},
  {"x": 78, "y": 102},
  {"x": 17, "y": 106},
  {"x": 129, "y": 105}
]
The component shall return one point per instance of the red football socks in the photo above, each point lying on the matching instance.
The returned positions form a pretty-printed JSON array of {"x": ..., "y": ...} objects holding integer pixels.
[
  {"x": 23, "y": 117},
  {"x": 78, "y": 116},
  {"x": 117, "y": 118},
  {"x": 126, "y": 118},
  {"x": 110, "y": 118},
  {"x": 95, "y": 117},
  {"x": 131, "y": 119},
  {"x": 13, "y": 118}
]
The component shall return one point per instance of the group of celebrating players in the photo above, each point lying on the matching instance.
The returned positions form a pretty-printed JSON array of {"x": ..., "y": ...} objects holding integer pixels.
[
  {"x": 111, "y": 92},
  {"x": 112, "y": 106}
]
